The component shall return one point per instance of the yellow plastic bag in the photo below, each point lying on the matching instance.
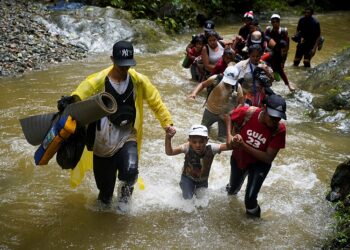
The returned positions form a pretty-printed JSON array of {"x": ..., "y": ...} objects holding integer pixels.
[{"x": 84, "y": 165}]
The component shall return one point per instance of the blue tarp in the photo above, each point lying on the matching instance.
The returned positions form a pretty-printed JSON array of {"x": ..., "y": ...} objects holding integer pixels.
[{"x": 63, "y": 5}]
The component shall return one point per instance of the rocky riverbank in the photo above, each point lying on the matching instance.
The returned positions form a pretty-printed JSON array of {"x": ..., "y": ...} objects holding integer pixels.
[{"x": 25, "y": 44}]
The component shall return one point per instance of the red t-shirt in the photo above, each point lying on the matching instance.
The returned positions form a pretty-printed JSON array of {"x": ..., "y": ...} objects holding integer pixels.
[
  {"x": 256, "y": 135},
  {"x": 219, "y": 68},
  {"x": 194, "y": 53}
]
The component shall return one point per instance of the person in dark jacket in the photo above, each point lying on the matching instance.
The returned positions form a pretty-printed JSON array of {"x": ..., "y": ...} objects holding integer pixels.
[{"x": 308, "y": 36}]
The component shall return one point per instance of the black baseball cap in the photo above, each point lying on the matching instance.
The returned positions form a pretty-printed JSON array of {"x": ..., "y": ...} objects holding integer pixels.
[
  {"x": 123, "y": 54},
  {"x": 209, "y": 25},
  {"x": 276, "y": 106}
]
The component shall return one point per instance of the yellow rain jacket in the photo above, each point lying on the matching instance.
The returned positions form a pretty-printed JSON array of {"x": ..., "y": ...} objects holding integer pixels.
[{"x": 144, "y": 90}]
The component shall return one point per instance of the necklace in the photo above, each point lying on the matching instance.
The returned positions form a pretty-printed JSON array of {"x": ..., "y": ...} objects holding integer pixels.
[{"x": 126, "y": 98}]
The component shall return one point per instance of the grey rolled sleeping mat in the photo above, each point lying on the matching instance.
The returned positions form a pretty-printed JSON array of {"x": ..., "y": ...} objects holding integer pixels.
[{"x": 92, "y": 109}]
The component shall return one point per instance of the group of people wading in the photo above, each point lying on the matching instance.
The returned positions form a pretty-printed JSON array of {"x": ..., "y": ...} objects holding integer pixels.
[{"x": 237, "y": 76}]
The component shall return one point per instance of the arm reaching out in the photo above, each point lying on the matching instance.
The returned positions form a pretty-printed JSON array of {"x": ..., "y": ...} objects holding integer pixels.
[
  {"x": 201, "y": 86},
  {"x": 169, "y": 150}
]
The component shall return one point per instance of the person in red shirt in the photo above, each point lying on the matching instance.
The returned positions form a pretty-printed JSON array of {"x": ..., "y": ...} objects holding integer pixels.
[
  {"x": 195, "y": 51},
  {"x": 258, "y": 137},
  {"x": 223, "y": 62}
]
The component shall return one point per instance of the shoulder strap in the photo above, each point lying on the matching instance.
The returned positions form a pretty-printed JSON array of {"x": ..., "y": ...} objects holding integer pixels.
[
  {"x": 245, "y": 65},
  {"x": 251, "y": 110},
  {"x": 283, "y": 31},
  {"x": 215, "y": 83},
  {"x": 268, "y": 29}
]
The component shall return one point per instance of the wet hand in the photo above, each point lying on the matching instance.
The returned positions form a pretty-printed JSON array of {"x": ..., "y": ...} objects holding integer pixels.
[
  {"x": 191, "y": 96},
  {"x": 170, "y": 131},
  {"x": 237, "y": 141},
  {"x": 291, "y": 89}
]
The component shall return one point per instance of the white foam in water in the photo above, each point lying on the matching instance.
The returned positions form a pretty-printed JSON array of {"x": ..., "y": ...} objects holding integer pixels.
[
  {"x": 21, "y": 145},
  {"x": 162, "y": 190},
  {"x": 344, "y": 125},
  {"x": 297, "y": 175},
  {"x": 167, "y": 75}
]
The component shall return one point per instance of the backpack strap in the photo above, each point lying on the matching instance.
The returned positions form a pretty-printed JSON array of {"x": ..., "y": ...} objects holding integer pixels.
[
  {"x": 268, "y": 29},
  {"x": 251, "y": 110},
  {"x": 283, "y": 31},
  {"x": 237, "y": 127},
  {"x": 216, "y": 82}
]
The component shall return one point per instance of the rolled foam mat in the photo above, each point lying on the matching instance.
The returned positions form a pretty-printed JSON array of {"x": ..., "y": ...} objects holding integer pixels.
[{"x": 36, "y": 127}]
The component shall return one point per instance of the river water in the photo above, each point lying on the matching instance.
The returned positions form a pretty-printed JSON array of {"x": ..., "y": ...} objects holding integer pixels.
[{"x": 39, "y": 210}]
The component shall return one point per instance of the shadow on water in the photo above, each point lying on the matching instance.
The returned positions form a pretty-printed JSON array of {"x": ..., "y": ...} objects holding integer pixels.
[{"x": 38, "y": 209}]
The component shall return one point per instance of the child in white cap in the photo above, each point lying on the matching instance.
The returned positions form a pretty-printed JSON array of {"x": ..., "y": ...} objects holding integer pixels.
[{"x": 199, "y": 155}]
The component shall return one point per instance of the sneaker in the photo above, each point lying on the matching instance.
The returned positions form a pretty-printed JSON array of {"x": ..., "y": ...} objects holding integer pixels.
[{"x": 255, "y": 212}]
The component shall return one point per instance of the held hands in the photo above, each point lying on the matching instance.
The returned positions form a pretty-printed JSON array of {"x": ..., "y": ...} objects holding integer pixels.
[
  {"x": 237, "y": 141},
  {"x": 170, "y": 131}
]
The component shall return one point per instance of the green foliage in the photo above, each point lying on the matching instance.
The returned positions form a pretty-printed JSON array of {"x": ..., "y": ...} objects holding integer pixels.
[
  {"x": 341, "y": 237},
  {"x": 270, "y": 5},
  {"x": 117, "y": 3},
  {"x": 169, "y": 24},
  {"x": 175, "y": 15}
]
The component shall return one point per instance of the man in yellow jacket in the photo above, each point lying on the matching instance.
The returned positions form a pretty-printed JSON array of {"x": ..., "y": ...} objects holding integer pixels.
[{"x": 116, "y": 139}]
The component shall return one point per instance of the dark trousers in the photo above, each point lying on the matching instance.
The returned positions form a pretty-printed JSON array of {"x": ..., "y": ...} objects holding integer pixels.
[
  {"x": 189, "y": 186},
  {"x": 256, "y": 172},
  {"x": 125, "y": 161},
  {"x": 209, "y": 119},
  {"x": 303, "y": 50}
]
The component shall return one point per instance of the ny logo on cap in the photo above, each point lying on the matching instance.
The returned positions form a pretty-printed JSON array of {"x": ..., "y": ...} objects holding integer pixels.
[{"x": 126, "y": 52}]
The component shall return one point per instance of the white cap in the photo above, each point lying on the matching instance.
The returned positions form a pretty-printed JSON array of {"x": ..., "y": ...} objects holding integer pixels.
[
  {"x": 230, "y": 75},
  {"x": 275, "y": 16},
  {"x": 199, "y": 130},
  {"x": 256, "y": 37}
]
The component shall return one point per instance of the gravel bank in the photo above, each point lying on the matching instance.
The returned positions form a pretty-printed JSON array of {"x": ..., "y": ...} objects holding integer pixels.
[{"x": 25, "y": 44}]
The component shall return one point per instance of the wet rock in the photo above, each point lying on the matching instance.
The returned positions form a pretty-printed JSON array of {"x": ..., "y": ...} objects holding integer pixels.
[
  {"x": 340, "y": 183},
  {"x": 331, "y": 80},
  {"x": 148, "y": 33}
]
